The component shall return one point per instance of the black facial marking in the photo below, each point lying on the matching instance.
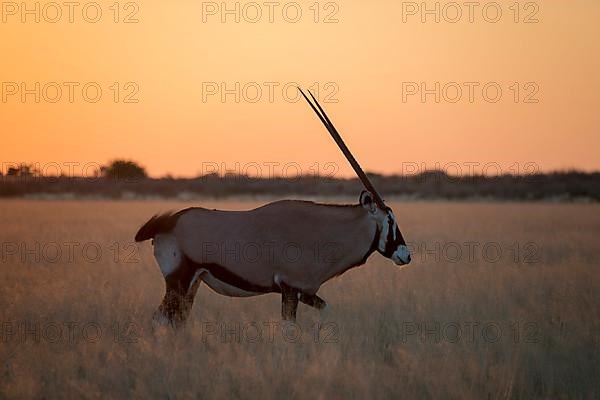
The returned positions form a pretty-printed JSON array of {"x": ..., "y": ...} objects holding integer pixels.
[
  {"x": 399, "y": 237},
  {"x": 390, "y": 245}
]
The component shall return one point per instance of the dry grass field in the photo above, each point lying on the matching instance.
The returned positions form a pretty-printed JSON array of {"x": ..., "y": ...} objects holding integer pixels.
[{"x": 501, "y": 301}]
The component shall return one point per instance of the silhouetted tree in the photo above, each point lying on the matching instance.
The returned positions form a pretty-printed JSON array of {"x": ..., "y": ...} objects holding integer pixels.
[
  {"x": 23, "y": 170},
  {"x": 123, "y": 169}
]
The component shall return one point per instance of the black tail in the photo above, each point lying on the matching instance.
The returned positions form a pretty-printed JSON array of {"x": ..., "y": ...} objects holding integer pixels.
[{"x": 158, "y": 224}]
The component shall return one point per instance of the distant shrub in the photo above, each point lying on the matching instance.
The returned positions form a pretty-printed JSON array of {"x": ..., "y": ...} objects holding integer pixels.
[
  {"x": 123, "y": 169},
  {"x": 22, "y": 170}
]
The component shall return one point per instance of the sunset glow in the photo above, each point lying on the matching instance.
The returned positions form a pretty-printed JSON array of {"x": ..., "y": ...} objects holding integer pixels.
[{"x": 183, "y": 91}]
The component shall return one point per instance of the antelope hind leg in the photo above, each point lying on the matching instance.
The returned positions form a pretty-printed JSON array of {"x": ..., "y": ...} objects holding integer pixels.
[{"x": 181, "y": 288}]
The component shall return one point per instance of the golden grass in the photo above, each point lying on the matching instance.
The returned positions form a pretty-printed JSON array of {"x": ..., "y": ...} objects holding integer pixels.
[{"x": 547, "y": 312}]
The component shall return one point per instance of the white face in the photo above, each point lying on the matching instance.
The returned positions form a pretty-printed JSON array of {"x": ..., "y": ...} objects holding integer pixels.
[
  {"x": 401, "y": 256},
  {"x": 391, "y": 243}
]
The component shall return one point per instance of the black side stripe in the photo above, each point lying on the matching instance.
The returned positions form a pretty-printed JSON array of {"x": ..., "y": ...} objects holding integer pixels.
[{"x": 224, "y": 275}]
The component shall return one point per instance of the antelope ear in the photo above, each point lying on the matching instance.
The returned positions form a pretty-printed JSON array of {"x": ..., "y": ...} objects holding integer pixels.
[{"x": 366, "y": 201}]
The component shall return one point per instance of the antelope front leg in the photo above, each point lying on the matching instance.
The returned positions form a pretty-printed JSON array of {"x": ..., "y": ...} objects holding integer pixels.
[
  {"x": 313, "y": 301},
  {"x": 289, "y": 302}
]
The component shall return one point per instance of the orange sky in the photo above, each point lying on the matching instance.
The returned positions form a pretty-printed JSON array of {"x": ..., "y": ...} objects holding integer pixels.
[{"x": 367, "y": 58}]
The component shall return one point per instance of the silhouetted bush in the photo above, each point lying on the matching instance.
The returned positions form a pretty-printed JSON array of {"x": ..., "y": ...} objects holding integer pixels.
[{"x": 123, "y": 169}]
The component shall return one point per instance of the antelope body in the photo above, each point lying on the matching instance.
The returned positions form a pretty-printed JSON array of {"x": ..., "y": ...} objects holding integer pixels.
[{"x": 289, "y": 247}]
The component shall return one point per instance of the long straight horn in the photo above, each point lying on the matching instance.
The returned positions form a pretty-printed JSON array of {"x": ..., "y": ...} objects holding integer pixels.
[{"x": 340, "y": 142}]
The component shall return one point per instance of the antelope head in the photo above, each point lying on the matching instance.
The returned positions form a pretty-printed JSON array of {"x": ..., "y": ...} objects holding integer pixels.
[{"x": 391, "y": 243}]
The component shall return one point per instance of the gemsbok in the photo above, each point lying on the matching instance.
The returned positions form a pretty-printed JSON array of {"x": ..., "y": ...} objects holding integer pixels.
[{"x": 290, "y": 247}]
